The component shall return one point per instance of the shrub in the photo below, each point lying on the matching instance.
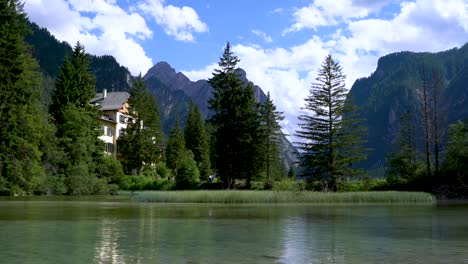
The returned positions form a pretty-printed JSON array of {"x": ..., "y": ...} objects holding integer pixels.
[
  {"x": 162, "y": 170},
  {"x": 289, "y": 185}
]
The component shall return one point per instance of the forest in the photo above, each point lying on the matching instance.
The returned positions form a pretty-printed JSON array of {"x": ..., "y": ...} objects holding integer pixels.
[{"x": 49, "y": 134}]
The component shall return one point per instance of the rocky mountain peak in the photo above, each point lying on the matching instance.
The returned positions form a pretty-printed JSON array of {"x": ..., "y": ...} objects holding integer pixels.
[{"x": 167, "y": 76}]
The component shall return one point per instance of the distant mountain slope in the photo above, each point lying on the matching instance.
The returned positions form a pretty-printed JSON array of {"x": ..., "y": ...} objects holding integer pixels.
[
  {"x": 174, "y": 92},
  {"x": 395, "y": 87},
  {"x": 50, "y": 54}
]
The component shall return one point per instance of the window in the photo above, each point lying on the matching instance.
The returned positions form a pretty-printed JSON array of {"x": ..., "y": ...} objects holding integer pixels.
[
  {"x": 109, "y": 147},
  {"x": 122, "y": 119},
  {"x": 122, "y": 132},
  {"x": 110, "y": 132}
]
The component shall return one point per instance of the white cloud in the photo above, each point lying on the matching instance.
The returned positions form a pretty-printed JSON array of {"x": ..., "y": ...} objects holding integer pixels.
[
  {"x": 278, "y": 10},
  {"x": 205, "y": 73},
  {"x": 177, "y": 22},
  {"x": 326, "y": 13},
  {"x": 421, "y": 25},
  {"x": 263, "y": 35},
  {"x": 101, "y": 26}
]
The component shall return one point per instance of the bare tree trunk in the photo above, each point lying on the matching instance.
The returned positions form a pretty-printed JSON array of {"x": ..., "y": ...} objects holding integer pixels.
[
  {"x": 426, "y": 123},
  {"x": 437, "y": 82}
]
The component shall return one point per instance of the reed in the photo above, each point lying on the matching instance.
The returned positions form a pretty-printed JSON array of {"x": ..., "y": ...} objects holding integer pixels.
[{"x": 242, "y": 197}]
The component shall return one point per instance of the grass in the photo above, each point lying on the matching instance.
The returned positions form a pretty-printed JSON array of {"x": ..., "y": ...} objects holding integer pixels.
[{"x": 243, "y": 197}]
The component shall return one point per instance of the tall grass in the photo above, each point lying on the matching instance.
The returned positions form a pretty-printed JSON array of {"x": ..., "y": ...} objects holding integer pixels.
[{"x": 241, "y": 197}]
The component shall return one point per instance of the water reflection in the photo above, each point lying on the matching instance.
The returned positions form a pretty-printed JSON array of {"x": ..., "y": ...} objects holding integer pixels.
[
  {"x": 107, "y": 250},
  {"x": 100, "y": 232}
]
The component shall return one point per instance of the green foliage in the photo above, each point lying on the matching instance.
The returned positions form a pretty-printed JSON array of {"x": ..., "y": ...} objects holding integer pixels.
[
  {"x": 78, "y": 127},
  {"x": 331, "y": 144},
  {"x": 162, "y": 170},
  {"x": 23, "y": 123},
  {"x": 186, "y": 172},
  {"x": 175, "y": 147},
  {"x": 140, "y": 145},
  {"x": 289, "y": 185},
  {"x": 51, "y": 53},
  {"x": 455, "y": 166},
  {"x": 140, "y": 182},
  {"x": 243, "y": 197},
  {"x": 291, "y": 172},
  {"x": 270, "y": 119},
  {"x": 237, "y": 137},
  {"x": 366, "y": 184},
  {"x": 75, "y": 85},
  {"x": 110, "y": 169},
  {"x": 197, "y": 141}
]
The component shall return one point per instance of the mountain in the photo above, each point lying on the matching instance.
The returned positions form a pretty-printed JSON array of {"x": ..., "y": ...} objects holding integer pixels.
[
  {"x": 174, "y": 92},
  {"x": 396, "y": 87},
  {"x": 50, "y": 54}
]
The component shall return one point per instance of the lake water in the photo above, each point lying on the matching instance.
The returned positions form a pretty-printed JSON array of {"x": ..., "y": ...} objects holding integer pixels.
[{"x": 89, "y": 231}]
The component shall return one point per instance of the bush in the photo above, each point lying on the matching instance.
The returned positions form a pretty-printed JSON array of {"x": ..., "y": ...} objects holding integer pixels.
[
  {"x": 187, "y": 171},
  {"x": 366, "y": 184},
  {"x": 110, "y": 168},
  {"x": 162, "y": 170},
  {"x": 141, "y": 182},
  {"x": 289, "y": 185}
]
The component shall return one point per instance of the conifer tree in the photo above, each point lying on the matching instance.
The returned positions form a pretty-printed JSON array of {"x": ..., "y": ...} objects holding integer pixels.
[
  {"x": 332, "y": 137},
  {"x": 22, "y": 122},
  {"x": 181, "y": 160},
  {"x": 237, "y": 137},
  {"x": 141, "y": 143},
  {"x": 196, "y": 140},
  {"x": 77, "y": 125},
  {"x": 403, "y": 163},
  {"x": 175, "y": 147},
  {"x": 272, "y": 129}
]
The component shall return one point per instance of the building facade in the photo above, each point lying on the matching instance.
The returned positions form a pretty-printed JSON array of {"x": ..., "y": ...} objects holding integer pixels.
[{"x": 114, "y": 118}]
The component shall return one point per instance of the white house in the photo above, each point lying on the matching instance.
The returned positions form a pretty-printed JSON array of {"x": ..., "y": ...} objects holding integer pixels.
[{"x": 115, "y": 117}]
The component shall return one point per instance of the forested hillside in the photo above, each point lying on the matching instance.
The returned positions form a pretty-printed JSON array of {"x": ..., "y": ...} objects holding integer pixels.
[{"x": 395, "y": 88}]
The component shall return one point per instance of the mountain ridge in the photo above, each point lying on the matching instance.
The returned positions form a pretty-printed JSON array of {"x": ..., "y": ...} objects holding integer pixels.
[{"x": 395, "y": 88}]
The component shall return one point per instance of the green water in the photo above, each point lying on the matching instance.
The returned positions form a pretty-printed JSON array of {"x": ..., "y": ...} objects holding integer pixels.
[{"x": 48, "y": 231}]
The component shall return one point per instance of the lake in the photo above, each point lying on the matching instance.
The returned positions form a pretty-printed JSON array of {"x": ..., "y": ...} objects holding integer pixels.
[{"x": 100, "y": 230}]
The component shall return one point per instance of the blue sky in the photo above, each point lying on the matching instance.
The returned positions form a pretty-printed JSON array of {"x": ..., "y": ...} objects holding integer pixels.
[{"x": 280, "y": 43}]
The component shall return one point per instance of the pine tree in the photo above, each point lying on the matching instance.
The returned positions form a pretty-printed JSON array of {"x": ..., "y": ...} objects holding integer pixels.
[
  {"x": 181, "y": 160},
  {"x": 402, "y": 164},
  {"x": 196, "y": 140},
  {"x": 75, "y": 84},
  {"x": 272, "y": 129},
  {"x": 141, "y": 143},
  {"x": 331, "y": 133},
  {"x": 175, "y": 147},
  {"x": 23, "y": 123},
  {"x": 237, "y": 137},
  {"x": 77, "y": 125}
]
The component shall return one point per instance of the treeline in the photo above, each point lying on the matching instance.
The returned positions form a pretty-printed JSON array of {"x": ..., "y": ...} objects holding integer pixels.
[
  {"x": 428, "y": 156},
  {"x": 50, "y": 132}
]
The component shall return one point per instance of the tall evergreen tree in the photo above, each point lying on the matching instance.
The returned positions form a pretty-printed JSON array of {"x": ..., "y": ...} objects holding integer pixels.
[
  {"x": 236, "y": 120},
  {"x": 331, "y": 133},
  {"x": 272, "y": 129},
  {"x": 77, "y": 124},
  {"x": 196, "y": 140},
  {"x": 175, "y": 146},
  {"x": 141, "y": 143},
  {"x": 22, "y": 122},
  {"x": 74, "y": 85},
  {"x": 403, "y": 162}
]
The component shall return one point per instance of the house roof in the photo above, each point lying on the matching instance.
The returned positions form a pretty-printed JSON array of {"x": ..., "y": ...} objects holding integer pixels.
[{"x": 113, "y": 100}]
